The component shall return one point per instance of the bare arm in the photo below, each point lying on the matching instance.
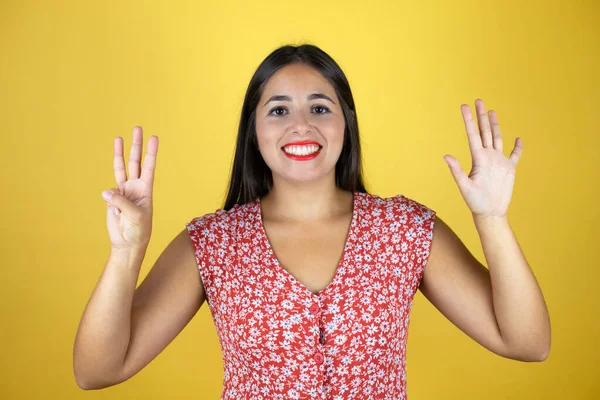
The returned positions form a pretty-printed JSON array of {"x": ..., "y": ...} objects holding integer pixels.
[
  {"x": 123, "y": 328},
  {"x": 502, "y": 309}
]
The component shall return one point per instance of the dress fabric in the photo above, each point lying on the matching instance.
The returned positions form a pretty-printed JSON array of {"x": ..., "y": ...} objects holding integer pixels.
[{"x": 281, "y": 341}]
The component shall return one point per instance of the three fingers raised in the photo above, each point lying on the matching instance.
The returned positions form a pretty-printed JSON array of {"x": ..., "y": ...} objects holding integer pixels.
[{"x": 147, "y": 171}]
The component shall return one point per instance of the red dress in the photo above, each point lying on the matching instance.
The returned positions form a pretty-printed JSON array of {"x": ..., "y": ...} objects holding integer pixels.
[{"x": 281, "y": 341}]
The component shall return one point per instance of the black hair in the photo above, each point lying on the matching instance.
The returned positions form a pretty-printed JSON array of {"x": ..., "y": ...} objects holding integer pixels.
[{"x": 250, "y": 176}]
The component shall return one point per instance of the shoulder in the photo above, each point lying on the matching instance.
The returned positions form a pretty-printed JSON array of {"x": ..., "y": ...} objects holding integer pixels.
[
  {"x": 406, "y": 208},
  {"x": 221, "y": 221}
]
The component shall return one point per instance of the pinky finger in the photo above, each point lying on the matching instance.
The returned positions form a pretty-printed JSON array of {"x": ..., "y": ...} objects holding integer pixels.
[
  {"x": 516, "y": 153},
  {"x": 112, "y": 209}
]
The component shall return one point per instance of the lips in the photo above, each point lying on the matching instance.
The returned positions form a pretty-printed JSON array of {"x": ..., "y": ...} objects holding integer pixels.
[{"x": 302, "y": 150}]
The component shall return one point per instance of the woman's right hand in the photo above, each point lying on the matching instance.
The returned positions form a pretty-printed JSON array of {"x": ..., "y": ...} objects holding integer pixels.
[{"x": 129, "y": 209}]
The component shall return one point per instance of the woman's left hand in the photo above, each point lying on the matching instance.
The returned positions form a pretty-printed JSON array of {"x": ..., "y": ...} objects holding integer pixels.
[{"x": 488, "y": 188}]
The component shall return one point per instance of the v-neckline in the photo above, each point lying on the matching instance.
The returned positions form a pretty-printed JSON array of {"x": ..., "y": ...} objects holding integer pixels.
[{"x": 337, "y": 273}]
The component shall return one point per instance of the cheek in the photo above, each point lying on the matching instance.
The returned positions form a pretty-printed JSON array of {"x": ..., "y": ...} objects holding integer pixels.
[
  {"x": 334, "y": 132},
  {"x": 267, "y": 133}
]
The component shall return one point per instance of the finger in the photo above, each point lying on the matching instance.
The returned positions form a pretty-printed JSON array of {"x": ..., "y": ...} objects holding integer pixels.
[
  {"x": 113, "y": 220},
  {"x": 460, "y": 177},
  {"x": 115, "y": 199},
  {"x": 471, "y": 128},
  {"x": 484, "y": 125},
  {"x": 118, "y": 162},
  {"x": 150, "y": 160},
  {"x": 112, "y": 210},
  {"x": 515, "y": 156},
  {"x": 497, "y": 135},
  {"x": 135, "y": 155}
]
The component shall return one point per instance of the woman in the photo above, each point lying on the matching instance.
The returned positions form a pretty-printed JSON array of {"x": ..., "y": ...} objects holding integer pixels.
[{"x": 310, "y": 279}]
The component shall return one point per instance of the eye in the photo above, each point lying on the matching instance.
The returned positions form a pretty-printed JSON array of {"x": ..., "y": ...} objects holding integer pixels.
[
  {"x": 321, "y": 109},
  {"x": 277, "y": 111}
]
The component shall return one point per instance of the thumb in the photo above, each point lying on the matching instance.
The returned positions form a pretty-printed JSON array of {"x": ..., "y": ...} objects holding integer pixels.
[
  {"x": 115, "y": 199},
  {"x": 462, "y": 180}
]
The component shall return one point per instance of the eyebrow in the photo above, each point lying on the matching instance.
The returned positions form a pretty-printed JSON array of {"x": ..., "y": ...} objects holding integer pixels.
[{"x": 313, "y": 96}]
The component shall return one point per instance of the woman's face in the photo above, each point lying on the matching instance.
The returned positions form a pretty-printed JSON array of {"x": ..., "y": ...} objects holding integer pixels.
[{"x": 300, "y": 125}]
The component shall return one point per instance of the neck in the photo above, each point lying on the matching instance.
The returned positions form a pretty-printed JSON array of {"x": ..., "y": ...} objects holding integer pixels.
[{"x": 305, "y": 201}]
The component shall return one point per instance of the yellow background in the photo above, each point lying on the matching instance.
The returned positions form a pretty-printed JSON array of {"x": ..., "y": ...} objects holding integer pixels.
[{"x": 74, "y": 74}]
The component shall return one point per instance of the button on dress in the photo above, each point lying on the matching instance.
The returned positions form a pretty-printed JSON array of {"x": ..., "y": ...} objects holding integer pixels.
[{"x": 281, "y": 341}]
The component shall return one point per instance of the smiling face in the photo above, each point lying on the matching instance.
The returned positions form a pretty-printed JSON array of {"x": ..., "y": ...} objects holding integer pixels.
[{"x": 300, "y": 125}]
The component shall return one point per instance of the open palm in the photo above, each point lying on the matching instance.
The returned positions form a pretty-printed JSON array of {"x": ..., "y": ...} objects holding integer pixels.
[
  {"x": 488, "y": 188},
  {"x": 129, "y": 213}
]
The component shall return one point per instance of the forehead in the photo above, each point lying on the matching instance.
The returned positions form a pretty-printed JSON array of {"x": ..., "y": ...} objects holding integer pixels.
[{"x": 297, "y": 78}]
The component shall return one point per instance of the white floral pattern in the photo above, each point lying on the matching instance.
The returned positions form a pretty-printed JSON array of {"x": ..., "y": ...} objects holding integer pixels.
[{"x": 281, "y": 341}]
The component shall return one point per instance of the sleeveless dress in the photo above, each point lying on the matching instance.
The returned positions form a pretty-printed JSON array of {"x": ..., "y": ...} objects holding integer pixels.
[{"x": 281, "y": 341}]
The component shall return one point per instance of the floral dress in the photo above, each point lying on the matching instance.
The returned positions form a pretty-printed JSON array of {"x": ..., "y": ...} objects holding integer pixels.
[{"x": 281, "y": 341}]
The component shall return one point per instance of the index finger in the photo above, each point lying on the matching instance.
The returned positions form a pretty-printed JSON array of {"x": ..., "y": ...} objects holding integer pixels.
[{"x": 119, "y": 162}]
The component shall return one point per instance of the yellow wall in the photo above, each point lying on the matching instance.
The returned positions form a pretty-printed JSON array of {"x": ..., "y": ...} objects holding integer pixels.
[{"x": 73, "y": 75}]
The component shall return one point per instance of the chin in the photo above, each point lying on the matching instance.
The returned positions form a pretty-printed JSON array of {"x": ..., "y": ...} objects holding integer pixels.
[{"x": 303, "y": 177}]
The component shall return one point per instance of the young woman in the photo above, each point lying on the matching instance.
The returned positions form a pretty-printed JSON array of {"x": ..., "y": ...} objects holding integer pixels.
[{"x": 310, "y": 279}]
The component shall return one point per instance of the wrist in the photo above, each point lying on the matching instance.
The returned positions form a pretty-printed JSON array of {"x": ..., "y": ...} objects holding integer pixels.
[
  {"x": 490, "y": 221},
  {"x": 132, "y": 256}
]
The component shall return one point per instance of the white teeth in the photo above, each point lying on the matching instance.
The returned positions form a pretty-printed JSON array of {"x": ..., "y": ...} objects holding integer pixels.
[{"x": 301, "y": 150}]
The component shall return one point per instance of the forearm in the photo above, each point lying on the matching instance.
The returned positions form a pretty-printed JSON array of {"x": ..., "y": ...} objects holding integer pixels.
[
  {"x": 103, "y": 336},
  {"x": 519, "y": 304}
]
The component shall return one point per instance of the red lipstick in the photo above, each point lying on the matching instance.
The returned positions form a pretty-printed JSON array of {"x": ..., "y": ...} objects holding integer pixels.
[{"x": 302, "y": 157}]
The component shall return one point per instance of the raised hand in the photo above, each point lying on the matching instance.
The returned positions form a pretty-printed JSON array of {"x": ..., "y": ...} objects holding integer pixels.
[
  {"x": 488, "y": 188},
  {"x": 129, "y": 206}
]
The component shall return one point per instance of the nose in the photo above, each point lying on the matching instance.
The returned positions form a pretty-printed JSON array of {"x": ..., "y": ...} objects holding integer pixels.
[{"x": 301, "y": 125}]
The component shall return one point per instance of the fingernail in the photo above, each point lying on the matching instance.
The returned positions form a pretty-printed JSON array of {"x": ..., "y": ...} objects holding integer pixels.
[
  {"x": 107, "y": 194},
  {"x": 117, "y": 212}
]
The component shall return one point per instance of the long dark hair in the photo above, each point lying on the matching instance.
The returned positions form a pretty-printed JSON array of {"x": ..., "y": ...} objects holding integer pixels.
[{"x": 250, "y": 177}]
